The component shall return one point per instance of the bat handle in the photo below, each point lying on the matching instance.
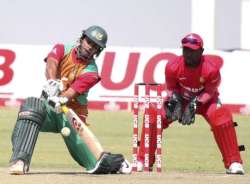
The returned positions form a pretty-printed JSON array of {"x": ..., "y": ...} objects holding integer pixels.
[{"x": 64, "y": 108}]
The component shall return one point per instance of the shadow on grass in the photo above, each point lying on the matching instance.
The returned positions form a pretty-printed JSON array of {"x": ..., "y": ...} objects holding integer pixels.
[
  {"x": 65, "y": 173},
  {"x": 56, "y": 172}
]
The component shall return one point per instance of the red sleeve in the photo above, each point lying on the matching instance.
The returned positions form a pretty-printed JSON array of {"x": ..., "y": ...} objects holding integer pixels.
[
  {"x": 85, "y": 81},
  {"x": 57, "y": 52},
  {"x": 211, "y": 87},
  {"x": 213, "y": 78},
  {"x": 171, "y": 78}
]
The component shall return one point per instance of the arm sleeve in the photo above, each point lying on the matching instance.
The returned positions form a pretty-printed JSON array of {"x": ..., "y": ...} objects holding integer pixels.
[
  {"x": 211, "y": 86},
  {"x": 171, "y": 80},
  {"x": 57, "y": 52},
  {"x": 85, "y": 81}
]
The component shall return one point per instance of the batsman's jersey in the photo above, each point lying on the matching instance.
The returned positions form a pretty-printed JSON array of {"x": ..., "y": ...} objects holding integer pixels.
[
  {"x": 201, "y": 82},
  {"x": 73, "y": 73}
]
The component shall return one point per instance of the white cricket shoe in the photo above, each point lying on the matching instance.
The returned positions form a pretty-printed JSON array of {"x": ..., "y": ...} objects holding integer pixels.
[
  {"x": 140, "y": 167},
  {"x": 18, "y": 168},
  {"x": 235, "y": 168},
  {"x": 126, "y": 167}
]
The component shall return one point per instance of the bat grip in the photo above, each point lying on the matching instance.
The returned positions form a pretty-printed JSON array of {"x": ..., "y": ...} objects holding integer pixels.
[{"x": 64, "y": 108}]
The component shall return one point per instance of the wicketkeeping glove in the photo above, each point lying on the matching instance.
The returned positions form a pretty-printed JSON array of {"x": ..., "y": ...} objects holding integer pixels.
[
  {"x": 56, "y": 102},
  {"x": 188, "y": 116},
  {"x": 173, "y": 107},
  {"x": 52, "y": 88}
]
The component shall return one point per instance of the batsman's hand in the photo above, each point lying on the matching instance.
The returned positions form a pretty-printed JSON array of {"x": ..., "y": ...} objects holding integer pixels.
[
  {"x": 56, "y": 103},
  {"x": 188, "y": 116},
  {"x": 52, "y": 88},
  {"x": 173, "y": 107}
]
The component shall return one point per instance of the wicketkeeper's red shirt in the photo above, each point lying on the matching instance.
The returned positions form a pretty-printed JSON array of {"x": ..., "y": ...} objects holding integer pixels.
[{"x": 202, "y": 81}]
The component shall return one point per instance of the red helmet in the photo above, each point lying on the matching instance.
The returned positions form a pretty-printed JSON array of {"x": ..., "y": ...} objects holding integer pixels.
[{"x": 193, "y": 41}]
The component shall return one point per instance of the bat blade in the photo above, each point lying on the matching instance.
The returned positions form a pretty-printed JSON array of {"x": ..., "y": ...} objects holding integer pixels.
[{"x": 84, "y": 132}]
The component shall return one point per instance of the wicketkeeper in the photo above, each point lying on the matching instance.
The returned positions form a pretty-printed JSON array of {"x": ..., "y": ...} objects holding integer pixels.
[
  {"x": 70, "y": 71},
  {"x": 192, "y": 82}
]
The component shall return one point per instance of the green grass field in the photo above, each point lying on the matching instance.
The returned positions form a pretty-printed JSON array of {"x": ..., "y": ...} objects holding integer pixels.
[{"x": 185, "y": 149}]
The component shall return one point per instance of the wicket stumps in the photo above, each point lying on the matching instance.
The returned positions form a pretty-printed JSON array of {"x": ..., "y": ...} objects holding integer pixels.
[{"x": 136, "y": 108}]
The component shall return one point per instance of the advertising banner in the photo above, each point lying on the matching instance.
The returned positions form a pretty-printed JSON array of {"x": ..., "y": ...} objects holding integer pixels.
[{"x": 22, "y": 74}]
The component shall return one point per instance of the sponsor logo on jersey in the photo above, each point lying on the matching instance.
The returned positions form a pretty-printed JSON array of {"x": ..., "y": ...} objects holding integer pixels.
[
  {"x": 182, "y": 78},
  {"x": 202, "y": 80},
  {"x": 192, "y": 90}
]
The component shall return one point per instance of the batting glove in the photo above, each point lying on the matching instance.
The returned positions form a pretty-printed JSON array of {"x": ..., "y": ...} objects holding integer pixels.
[
  {"x": 52, "y": 88},
  {"x": 56, "y": 103}
]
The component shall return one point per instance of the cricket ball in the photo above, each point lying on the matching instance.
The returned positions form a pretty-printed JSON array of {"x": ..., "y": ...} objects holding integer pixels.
[{"x": 65, "y": 131}]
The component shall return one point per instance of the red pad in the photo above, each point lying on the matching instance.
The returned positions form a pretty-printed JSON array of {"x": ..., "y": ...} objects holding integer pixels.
[
  {"x": 225, "y": 135},
  {"x": 152, "y": 140}
]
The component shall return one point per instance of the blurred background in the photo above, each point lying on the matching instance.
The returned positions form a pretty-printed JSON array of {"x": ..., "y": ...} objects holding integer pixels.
[
  {"x": 146, "y": 28},
  {"x": 224, "y": 24}
]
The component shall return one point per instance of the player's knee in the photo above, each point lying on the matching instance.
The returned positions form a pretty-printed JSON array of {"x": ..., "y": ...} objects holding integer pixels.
[
  {"x": 32, "y": 109},
  {"x": 221, "y": 116},
  {"x": 29, "y": 121}
]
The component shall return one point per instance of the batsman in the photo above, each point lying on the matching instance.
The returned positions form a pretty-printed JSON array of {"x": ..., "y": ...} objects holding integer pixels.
[
  {"x": 71, "y": 71},
  {"x": 192, "y": 82}
]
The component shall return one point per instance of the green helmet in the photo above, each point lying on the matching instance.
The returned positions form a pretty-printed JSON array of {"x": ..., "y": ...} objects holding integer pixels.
[{"x": 97, "y": 34}]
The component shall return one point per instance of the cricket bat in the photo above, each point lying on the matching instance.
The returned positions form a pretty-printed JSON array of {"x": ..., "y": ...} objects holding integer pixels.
[{"x": 84, "y": 132}]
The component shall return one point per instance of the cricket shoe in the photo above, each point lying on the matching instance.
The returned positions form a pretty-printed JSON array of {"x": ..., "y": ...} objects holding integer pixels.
[
  {"x": 140, "y": 166},
  {"x": 126, "y": 167},
  {"x": 18, "y": 168},
  {"x": 235, "y": 168}
]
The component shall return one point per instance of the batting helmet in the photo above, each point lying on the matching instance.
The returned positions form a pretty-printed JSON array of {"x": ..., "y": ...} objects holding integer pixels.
[{"x": 96, "y": 34}]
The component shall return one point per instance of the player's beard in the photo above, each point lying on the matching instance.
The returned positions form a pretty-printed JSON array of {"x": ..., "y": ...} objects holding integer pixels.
[
  {"x": 192, "y": 63},
  {"x": 83, "y": 54}
]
